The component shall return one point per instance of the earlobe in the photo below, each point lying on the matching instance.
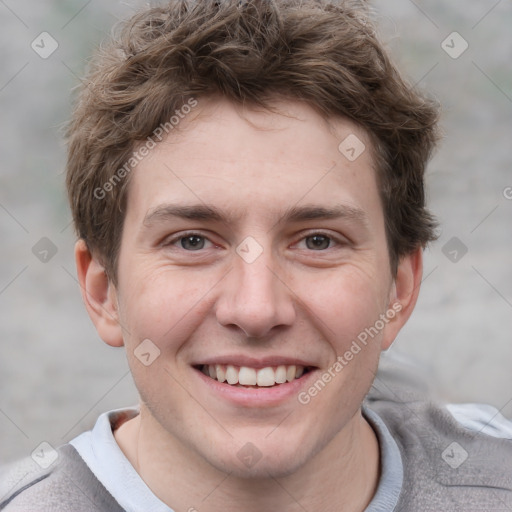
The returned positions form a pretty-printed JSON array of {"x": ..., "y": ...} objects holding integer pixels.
[
  {"x": 405, "y": 291},
  {"x": 99, "y": 295}
]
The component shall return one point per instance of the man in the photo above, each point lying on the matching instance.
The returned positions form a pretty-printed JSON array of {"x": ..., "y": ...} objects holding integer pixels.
[{"x": 246, "y": 180}]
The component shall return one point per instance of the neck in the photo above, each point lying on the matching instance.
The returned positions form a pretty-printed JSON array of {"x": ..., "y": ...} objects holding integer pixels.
[{"x": 342, "y": 476}]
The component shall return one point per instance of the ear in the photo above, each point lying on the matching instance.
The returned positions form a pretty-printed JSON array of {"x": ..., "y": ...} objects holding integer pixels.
[
  {"x": 404, "y": 294},
  {"x": 99, "y": 295}
]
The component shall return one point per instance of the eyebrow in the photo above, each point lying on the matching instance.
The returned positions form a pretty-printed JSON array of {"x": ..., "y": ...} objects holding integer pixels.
[
  {"x": 304, "y": 213},
  {"x": 165, "y": 212},
  {"x": 210, "y": 213}
]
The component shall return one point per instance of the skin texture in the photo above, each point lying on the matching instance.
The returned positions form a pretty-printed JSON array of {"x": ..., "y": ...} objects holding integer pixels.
[{"x": 295, "y": 300}]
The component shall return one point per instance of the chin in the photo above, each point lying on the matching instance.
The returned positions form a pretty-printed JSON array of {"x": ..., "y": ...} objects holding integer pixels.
[{"x": 260, "y": 458}]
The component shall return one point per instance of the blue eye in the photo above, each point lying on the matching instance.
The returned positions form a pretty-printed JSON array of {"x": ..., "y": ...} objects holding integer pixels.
[
  {"x": 318, "y": 242},
  {"x": 188, "y": 242},
  {"x": 192, "y": 242}
]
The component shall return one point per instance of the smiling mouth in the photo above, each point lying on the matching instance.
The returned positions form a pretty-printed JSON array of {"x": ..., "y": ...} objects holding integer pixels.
[{"x": 246, "y": 377}]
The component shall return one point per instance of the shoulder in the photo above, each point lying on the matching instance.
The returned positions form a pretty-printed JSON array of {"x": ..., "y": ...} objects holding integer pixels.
[
  {"x": 447, "y": 458},
  {"x": 452, "y": 454},
  {"x": 427, "y": 422},
  {"x": 62, "y": 482},
  {"x": 450, "y": 459},
  {"x": 419, "y": 423}
]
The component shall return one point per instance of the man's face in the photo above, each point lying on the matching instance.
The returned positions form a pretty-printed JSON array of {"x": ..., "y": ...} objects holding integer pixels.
[{"x": 253, "y": 241}]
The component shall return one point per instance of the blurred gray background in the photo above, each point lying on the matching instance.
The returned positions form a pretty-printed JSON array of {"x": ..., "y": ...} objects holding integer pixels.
[{"x": 56, "y": 375}]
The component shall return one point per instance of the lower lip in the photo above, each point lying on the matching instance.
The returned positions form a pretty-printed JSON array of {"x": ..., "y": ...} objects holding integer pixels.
[{"x": 257, "y": 397}]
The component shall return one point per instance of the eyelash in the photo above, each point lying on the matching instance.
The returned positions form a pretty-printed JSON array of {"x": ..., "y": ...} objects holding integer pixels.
[{"x": 176, "y": 239}]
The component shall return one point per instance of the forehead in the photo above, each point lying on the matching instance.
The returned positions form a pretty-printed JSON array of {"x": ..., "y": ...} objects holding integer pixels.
[{"x": 249, "y": 161}]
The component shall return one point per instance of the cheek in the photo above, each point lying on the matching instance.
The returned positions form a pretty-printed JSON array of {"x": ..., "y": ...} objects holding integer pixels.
[
  {"x": 347, "y": 302},
  {"x": 164, "y": 305}
]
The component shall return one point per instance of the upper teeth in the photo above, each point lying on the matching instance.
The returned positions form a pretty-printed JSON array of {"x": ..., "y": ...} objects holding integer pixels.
[{"x": 268, "y": 376}]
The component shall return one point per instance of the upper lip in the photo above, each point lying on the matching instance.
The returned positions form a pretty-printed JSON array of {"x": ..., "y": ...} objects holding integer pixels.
[{"x": 254, "y": 362}]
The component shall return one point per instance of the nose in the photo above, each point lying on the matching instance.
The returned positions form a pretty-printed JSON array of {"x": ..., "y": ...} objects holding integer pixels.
[{"x": 255, "y": 298}]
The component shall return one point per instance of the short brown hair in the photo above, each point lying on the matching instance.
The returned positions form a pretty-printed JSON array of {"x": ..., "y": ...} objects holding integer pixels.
[{"x": 319, "y": 51}]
